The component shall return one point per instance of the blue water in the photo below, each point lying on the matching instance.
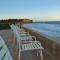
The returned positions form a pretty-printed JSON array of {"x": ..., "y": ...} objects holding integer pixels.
[{"x": 52, "y": 30}]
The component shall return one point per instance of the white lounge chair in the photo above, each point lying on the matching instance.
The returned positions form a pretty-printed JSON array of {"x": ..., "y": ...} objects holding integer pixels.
[
  {"x": 4, "y": 51},
  {"x": 31, "y": 45}
]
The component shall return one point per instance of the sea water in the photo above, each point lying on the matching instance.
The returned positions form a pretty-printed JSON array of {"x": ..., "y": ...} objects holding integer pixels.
[{"x": 52, "y": 30}]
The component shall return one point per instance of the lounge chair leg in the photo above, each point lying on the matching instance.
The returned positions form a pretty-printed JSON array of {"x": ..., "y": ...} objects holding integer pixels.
[
  {"x": 41, "y": 54},
  {"x": 37, "y": 53}
]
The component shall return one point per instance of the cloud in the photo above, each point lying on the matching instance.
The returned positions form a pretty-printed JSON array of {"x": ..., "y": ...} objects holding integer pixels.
[{"x": 53, "y": 17}]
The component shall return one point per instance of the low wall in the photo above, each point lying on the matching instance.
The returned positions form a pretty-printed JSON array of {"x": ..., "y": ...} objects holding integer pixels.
[{"x": 51, "y": 47}]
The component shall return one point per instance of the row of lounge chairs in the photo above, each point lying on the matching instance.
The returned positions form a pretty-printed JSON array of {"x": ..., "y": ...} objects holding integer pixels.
[{"x": 25, "y": 41}]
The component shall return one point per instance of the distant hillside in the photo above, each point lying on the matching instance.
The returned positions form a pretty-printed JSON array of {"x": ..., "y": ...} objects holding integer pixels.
[{"x": 5, "y": 24}]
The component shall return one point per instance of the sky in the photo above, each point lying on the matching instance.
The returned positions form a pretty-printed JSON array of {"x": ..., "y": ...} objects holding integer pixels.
[{"x": 33, "y": 9}]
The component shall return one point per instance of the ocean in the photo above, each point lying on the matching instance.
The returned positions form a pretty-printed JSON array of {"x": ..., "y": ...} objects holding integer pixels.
[{"x": 52, "y": 30}]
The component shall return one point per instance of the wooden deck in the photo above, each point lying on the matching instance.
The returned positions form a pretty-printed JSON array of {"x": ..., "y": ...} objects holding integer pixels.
[{"x": 9, "y": 38}]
